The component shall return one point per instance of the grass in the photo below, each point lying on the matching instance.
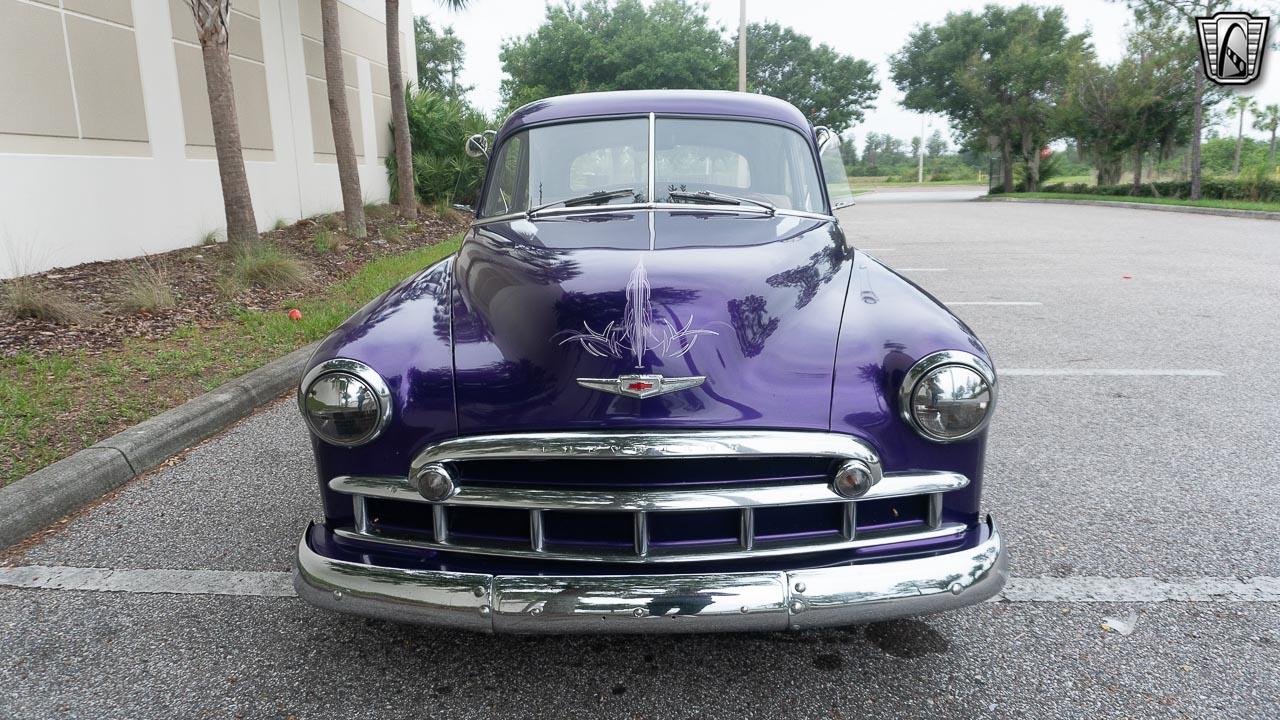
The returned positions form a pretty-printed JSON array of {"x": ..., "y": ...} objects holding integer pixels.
[
  {"x": 145, "y": 288},
  {"x": 262, "y": 264},
  {"x": 26, "y": 299},
  {"x": 1223, "y": 204},
  {"x": 281, "y": 224},
  {"x": 325, "y": 241},
  {"x": 59, "y": 404},
  {"x": 210, "y": 238},
  {"x": 391, "y": 233}
]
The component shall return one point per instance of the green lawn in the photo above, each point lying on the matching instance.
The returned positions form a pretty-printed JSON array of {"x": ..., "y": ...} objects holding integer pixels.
[
  {"x": 1225, "y": 204},
  {"x": 58, "y": 404}
]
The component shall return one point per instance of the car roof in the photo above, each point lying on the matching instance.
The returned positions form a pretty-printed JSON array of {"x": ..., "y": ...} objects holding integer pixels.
[{"x": 670, "y": 102}]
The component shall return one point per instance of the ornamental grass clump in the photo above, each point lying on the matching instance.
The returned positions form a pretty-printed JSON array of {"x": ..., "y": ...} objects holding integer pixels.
[
  {"x": 145, "y": 288},
  {"x": 262, "y": 264},
  {"x": 24, "y": 298}
]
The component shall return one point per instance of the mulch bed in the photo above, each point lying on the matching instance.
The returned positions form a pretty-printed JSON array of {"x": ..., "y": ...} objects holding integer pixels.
[{"x": 193, "y": 275}]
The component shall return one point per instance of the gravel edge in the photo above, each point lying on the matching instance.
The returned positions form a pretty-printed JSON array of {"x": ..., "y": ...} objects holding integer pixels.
[
  {"x": 1189, "y": 209},
  {"x": 44, "y": 496}
]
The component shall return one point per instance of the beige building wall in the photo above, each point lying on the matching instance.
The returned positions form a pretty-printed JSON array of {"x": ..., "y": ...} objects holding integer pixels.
[{"x": 105, "y": 100}]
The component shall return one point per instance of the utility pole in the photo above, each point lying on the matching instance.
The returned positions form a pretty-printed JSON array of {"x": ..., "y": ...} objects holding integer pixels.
[
  {"x": 920, "y": 154},
  {"x": 742, "y": 46}
]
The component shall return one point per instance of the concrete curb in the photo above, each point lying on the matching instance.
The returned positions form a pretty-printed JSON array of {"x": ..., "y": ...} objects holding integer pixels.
[
  {"x": 1188, "y": 209},
  {"x": 39, "y": 499}
]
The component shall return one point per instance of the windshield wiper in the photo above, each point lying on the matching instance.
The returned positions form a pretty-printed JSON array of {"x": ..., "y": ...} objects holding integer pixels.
[
  {"x": 588, "y": 199},
  {"x": 719, "y": 198}
]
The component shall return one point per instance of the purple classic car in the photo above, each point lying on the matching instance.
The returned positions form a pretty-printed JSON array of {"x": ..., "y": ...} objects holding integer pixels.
[{"x": 656, "y": 390}]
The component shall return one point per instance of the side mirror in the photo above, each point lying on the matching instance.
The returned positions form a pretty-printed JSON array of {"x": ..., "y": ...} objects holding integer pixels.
[
  {"x": 463, "y": 208},
  {"x": 822, "y": 134},
  {"x": 477, "y": 146}
]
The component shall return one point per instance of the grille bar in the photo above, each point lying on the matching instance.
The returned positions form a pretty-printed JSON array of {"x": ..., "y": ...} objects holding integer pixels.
[
  {"x": 664, "y": 555},
  {"x": 665, "y": 499}
]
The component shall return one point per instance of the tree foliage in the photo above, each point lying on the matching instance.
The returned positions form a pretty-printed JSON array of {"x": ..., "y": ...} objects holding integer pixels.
[
  {"x": 995, "y": 74},
  {"x": 440, "y": 56},
  {"x": 829, "y": 88},
  {"x": 623, "y": 45},
  {"x": 438, "y": 127},
  {"x": 599, "y": 46}
]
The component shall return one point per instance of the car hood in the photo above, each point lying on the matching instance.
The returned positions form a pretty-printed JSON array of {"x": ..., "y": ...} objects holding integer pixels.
[{"x": 751, "y": 302}]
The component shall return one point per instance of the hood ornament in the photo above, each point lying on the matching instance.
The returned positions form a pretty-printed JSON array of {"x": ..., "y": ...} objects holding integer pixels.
[
  {"x": 639, "y": 330},
  {"x": 641, "y": 386}
]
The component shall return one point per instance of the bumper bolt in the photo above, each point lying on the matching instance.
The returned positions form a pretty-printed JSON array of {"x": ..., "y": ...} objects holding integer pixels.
[
  {"x": 639, "y": 612},
  {"x": 337, "y": 594},
  {"x": 796, "y": 606},
  {"x": 956, "y": 588},
  {"x": 478, "y": 591},
  {"x": 485, "y": 610},
  {"x": 800, "y": 587}
]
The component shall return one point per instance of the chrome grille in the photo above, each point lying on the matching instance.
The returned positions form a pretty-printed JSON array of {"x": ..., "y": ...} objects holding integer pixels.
[{"x": 790, "y": 513}]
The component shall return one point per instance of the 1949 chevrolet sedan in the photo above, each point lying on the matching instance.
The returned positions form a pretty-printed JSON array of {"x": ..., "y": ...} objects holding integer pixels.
[{"x": 656, "y": 390}]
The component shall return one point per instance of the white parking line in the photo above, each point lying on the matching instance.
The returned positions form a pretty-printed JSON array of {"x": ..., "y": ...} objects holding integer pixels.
[
  {"x": 921, "y": 269},
  {"x": 1093, "y": 372},
  {"x": 1018, "y": 303},
  {"x": 279, "y": 584}
]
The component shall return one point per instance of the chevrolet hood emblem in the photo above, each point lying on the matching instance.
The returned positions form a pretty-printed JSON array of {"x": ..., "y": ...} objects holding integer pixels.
[{"x": 641, "y": 386}]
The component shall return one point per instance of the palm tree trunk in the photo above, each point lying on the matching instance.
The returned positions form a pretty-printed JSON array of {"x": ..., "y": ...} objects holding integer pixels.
[
  {"x": 340, "y": 119},
  {"x": 1137, "y": 169},
  {"x": 400, "y": 115},
  {"x": 1197, "y": 128},
  {"x": 1273, "y": 149},
  {"x": 237, "y": 203},
  {"x": 1235, "y": 165},
  {"x": 1006, "y": 164}
]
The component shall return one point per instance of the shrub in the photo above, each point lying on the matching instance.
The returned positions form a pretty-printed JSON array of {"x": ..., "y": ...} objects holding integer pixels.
[
  {"x": 439, "y": 127},
  {"x": 1250, "y": 188},
  {"x": 281, "y": 224},
  {"x": 262, "y": 264},
  {"x": 24, "y": 298},
  {"x": 391, "y": 233},
  {"x": 210, "y": 238},
  {"x": 145, "y": 288}
]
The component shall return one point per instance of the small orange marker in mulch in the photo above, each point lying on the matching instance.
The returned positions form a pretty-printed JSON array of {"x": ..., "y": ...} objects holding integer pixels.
[{"x": 295, "y": 314}]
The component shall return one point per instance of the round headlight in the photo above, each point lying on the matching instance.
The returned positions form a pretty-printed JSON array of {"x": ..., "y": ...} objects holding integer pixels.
[
  {"x": 345, "y": 402},
  {"x": 948, "y": 396}
]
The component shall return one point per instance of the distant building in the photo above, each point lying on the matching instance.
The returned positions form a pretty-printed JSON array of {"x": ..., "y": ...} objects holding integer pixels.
[{"x": 106, "y": 147}]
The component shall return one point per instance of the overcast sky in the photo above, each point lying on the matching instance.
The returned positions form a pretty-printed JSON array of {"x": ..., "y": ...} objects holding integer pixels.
[{"x": 867, "y": 30}]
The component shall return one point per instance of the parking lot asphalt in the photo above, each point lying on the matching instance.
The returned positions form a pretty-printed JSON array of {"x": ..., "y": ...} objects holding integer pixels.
[{"x": 1135, "y": 438}]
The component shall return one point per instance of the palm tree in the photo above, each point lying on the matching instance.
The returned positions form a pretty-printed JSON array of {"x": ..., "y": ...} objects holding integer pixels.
[
  {"x": 1269, "y": 120},
  {"x": 340, "y": 119},
  {"x": 1241, "y": 105},
  {"x": 211, "y": 18},
  {"x": 399, "y": 110}
]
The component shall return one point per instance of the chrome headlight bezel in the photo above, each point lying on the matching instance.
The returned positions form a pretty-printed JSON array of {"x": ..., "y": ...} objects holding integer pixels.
[
  {"x": 361, "y": 373},
  {"x": 932, "y": 363}
]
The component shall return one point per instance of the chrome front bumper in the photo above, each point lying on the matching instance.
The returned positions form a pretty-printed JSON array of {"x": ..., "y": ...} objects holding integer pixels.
[{"x": 746, "y": 601}]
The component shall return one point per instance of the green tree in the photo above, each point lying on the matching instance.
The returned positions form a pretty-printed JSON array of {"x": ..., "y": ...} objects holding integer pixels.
[
  {"x": 936, "y": 144},
  {"x": 440, "y": 56},
  {"x": 1188, "y": 11},
  {"x": 829, "y": 88},
  {"x": 995, "y": 74},
  {"x": 1240, "y": 107},
  {"x": 1268, "y": 120},
  {"x": 623, "y": 46}
]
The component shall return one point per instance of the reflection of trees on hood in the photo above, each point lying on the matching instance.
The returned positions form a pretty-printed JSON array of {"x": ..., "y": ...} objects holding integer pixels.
[
  {"x": 432, "y": 284},
  {"x": 822, "y": 267},
  {"x": 495, "y": 389},
  {"x": 599, "y": 309},
  {"x": 540, "y": 264},
  {"x": 750, "y": 319}
]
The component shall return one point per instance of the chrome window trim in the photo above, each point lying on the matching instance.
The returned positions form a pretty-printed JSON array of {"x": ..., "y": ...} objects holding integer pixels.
[
  {"x": 934, "y": 361},
  {"x": 652, "y": 500},
  {"x": 366, "y": 375},
  {"x": 663, "y": 555},
  {"x": 649, "y": 444},
  {"x": 633, "y": 207}
]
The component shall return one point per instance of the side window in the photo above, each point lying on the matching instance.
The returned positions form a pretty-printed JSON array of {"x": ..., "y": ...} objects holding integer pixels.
[
  {"x": 508, "y": 191},
  {"x": 837, "y": 178}
]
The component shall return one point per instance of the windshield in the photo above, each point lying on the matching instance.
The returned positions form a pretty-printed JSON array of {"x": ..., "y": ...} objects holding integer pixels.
[{"x": 726, "y": 163}]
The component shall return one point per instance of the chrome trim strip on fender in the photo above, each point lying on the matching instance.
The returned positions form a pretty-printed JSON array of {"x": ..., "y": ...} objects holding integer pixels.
[
  {"x": 759, "y": 601},
  {"x": 663, "y": 499}
]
